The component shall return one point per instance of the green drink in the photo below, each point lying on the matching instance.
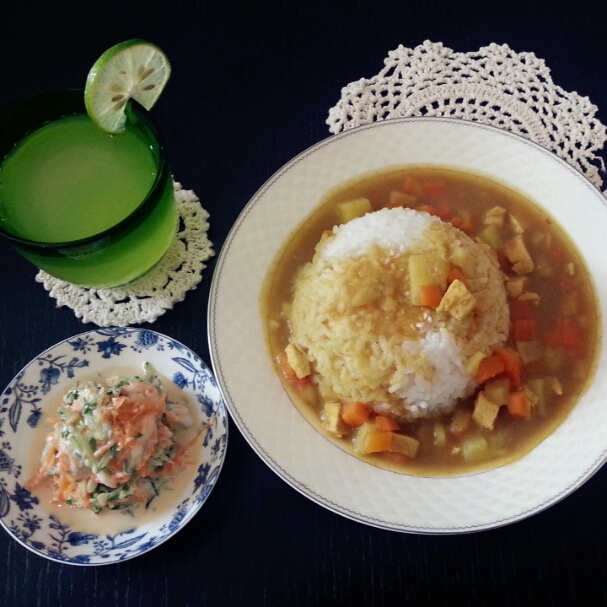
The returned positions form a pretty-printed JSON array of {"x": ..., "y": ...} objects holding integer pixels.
[{"x": 86, "y": 206}]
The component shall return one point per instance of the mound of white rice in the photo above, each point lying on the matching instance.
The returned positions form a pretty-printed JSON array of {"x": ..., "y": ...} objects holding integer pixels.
[{"x": 352, "y": 315}]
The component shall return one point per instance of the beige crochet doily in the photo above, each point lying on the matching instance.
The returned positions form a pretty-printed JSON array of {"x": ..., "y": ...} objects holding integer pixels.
[
  {"x": 495, "y": 85},
  {"x": 146, "y": 299}
]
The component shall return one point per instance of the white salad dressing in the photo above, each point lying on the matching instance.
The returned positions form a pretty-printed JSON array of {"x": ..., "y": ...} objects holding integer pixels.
[{"x": 110, "y": 522}]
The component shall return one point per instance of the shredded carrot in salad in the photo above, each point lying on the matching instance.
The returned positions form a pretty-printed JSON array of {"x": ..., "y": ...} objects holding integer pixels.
[{"x": 113, "y": 446}]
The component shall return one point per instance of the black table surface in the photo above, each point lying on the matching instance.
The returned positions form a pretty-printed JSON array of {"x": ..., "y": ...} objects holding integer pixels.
[{"x": 251, "y": 87}]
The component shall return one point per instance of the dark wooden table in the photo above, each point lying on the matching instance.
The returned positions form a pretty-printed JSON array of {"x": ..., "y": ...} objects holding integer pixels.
[{"x": 251, "y": 87}]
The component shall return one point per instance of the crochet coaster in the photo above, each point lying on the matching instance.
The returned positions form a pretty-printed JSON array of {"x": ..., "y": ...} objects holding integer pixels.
[
  {"x": 145, "y": 299},
  {"x": 495, "y": 86}
]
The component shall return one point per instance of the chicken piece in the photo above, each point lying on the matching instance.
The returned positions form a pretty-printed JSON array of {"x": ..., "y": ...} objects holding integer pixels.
[
  {"x": 495, "y": 216},
  {"x": 517, "y": 226},
  {"x": 297, "y": 360},
  {"x": 457, "y": 300},
  {"x": 332, "y": 419},
  {"x": 485, "y": 411},
  {"x": 517, "y": 254},
  {"x": 534, "y": 298}
]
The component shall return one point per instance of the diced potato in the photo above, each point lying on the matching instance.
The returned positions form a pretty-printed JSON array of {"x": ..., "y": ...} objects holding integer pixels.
[
  {"x": 475, "y": 448},
  {"x": 530, "y": 351},
  {"x": 497, "y": 390},
  {"x": 351, "y": 209},
  {"x": 371, "y": 440},
  {"x": 493, "y": 236},
  {"x": 439, "y": 435},
  {"x": 397, "y": 198},
  {"x": 543, "y": 265},
  {"x": 495, "y": 216},
  {"x": 407, "y": 445},
  {"x": 460, "y": 422},
  {"x": 457, "y": 300},
  {"x": 570, "y": 304},
  {"x": 485, "y": 411},
  {"x": 473, "y": 363},
  {"x": 298, "y": 361},
  {"x": 517, "y": 254},
  {"x": 515, "y": 286},
  {"x": 331, "y": 419},
  {"x": 285, "y": 309},
  {"x": 553, "y": 359},
  {"x": 426, "y": 269},
  {"x": 461, "y": 258},
  {"x": 541, "y": 239},
  {"x": 531, "y": 397},
  {"x": 539, "y": 387}
]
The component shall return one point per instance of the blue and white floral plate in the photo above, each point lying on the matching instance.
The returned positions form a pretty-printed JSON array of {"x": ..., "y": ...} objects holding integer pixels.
[{"x": 35, "y": 392}]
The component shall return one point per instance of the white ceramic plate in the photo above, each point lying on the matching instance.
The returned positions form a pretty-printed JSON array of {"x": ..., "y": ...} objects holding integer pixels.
[
  {"x": 271, "y": 423},
  {"x": 35, "y": 392}
]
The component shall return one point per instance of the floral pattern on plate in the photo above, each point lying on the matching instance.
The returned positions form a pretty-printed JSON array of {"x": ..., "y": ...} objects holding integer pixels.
[{"x": 46, "y": 378}]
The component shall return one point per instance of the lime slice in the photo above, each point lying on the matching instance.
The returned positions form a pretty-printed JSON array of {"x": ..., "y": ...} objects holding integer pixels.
[{"x": 133, "y": 69}]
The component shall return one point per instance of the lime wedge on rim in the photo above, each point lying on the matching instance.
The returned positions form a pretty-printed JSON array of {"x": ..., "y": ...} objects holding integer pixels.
[{"x": 134, "y": 69}]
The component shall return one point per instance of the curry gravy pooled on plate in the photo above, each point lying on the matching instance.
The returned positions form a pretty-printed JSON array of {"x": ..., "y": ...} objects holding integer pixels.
[{"x": 431, "y": 321}]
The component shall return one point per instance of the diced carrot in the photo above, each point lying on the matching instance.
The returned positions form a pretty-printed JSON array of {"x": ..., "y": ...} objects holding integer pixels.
[
  {"x": 520, "y": 309},
  {"x": 457, "y": 222},
  {"x": 513, "y": 365},
  {"x": 566, "y": 334},
  {"x": 301, "y": 383},
  {"x": 455, "y": 274},
  {"x": 434, "y": 188},
  {"x": 556, "y": 253},
  {"x": 412, "y": 186},
  {"x": 354, "y": 414},
  {"x": 443, "y": 211},
  {"x": 489, "y": 367},
  {"x": 525, "y": 329},
  {"x": 378, "y": 441},
  {"x": 383, "y": 422},
  {"x": 430, "y": 295},
  {"x": 518, "y": 405}
]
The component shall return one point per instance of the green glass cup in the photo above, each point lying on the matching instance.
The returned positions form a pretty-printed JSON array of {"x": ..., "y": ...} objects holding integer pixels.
[{"x": 91, "y": 208}]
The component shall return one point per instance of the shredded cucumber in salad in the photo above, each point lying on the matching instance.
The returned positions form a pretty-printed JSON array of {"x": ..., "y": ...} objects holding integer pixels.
[{"x": 114, "y": 445}]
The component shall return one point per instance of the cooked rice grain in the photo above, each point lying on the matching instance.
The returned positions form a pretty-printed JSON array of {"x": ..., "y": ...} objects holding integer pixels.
[{"x": 352, "y": 314}]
